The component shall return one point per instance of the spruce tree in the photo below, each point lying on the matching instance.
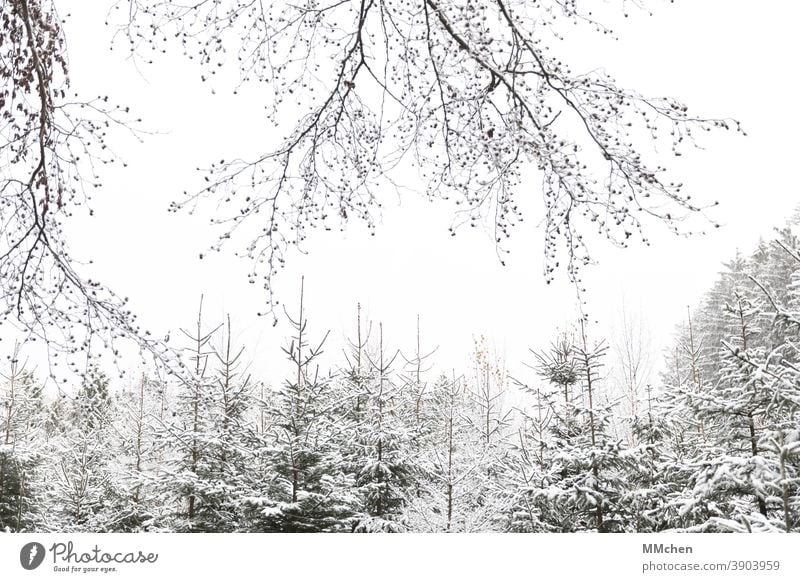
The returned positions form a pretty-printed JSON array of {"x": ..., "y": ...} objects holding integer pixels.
[
  {"x": 22, "y": 419},
  {"x": 304, "y": 487}
]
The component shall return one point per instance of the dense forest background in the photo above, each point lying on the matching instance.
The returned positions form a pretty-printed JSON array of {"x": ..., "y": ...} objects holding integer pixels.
[{"x": 575, "y": 439}]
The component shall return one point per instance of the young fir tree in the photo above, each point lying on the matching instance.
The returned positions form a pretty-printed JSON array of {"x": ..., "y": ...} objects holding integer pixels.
[
  {"x": 80, "y": 488},
  {"x": 184, "y": 434},
  {"x": 529, "y": 471},
  {"x": 490, "y": 420},
  {"x": 229, "y": 454},
  {"x": 687, "y": 372},
  {"x": 530, "y": 454},
  {"x": 304, "y": 488},
  {"x": 658, "y": 467},
  {"x": 733, "y": 475},
  {"x": 205, "y": 480},
  {"x": 663, "y": 443},
  {"x": 21, "y": 426},
  {"x": 377, "y": 446},
  {"x": 139, "y": 449},
  {"x": 451, "y": 466},
  {"x": 582, "y": 485},
  {"x": 415, "y": 390}
]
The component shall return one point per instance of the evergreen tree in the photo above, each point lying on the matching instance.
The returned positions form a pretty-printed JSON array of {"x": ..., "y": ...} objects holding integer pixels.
[
  {"x": 21, "y": 426},
  {"x": 451, "y": 467},
  {"x": 378, "y": 451},
  {"x": 206, "y": 475},
  {"x": 580, "y": 486},
  {"x": 305, "y": 488},
  {"x": 80, "y": 485},
  {"x": 138, "y": 416},
  {"x": 741, "y": 471}
]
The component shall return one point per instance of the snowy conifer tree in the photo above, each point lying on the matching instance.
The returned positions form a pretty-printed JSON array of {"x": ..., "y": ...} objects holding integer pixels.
[
  {"x": 304, "y": 487},
  {"x": 581, "y": 485},
  {"x": 80, "y": 488},
  {"x": 137, "y": 421},
  {"x": 21, "y": 426},
  {"x": 452, "y": 466},
  {"x": 377, "y": 449},
  {"x": 739, "y": 472},
  {"x": 203, "y": 483}
]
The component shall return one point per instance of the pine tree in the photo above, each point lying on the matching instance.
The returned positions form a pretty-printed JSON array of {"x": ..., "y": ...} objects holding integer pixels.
[{"x": 653, "y": 472}]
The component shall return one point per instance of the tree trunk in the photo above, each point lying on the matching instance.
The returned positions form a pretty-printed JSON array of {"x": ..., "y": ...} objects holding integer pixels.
[
  {"x": 762, "y": 506},
  {"x": 588, "y": 368}
]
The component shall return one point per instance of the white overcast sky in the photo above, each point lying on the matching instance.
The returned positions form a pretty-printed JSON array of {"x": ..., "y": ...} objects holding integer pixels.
[{"x": 723, "y": 58}]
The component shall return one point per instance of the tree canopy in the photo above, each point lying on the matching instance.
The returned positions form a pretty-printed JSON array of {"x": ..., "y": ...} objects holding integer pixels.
[{"x": 461, "y": 100}]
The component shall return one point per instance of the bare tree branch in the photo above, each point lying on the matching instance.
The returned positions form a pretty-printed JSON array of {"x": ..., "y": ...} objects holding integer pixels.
[{"x": 459, "y": 98}]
